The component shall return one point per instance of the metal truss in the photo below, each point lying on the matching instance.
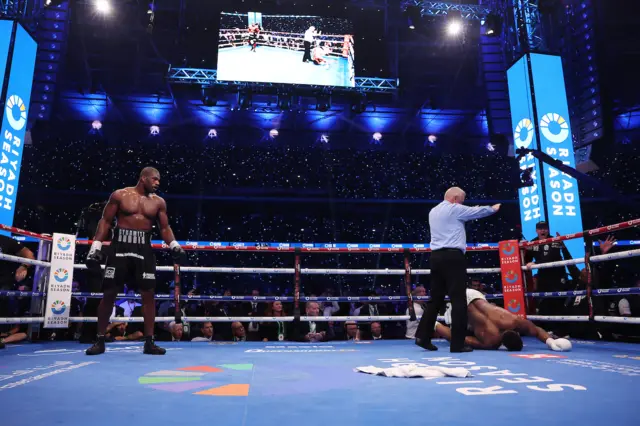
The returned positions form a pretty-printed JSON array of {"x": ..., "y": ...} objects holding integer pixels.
[
  {"x": 207, "y": 77},
  {"x": 527, "y": 14},
  {"x": 437, "y": 8},
  {"x": 24, "y": 10}
]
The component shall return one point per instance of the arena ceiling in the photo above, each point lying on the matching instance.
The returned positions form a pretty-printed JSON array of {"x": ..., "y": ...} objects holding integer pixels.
[{"x": 116, "y": 69}]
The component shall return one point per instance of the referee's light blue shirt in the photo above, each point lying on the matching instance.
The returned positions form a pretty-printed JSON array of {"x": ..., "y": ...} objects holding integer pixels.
[{"x": 446, "y": 221}]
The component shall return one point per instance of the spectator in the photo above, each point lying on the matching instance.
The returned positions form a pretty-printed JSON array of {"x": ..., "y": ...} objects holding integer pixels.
[
  {"x": 376, "y": 330},
  {"x": 174, "y": 333},
  {"x": 239, "y": 334},
  {"x": 312, "y": 331},
  {"x": 275, "y": 331},
  {"x": 207, "y": 333}
]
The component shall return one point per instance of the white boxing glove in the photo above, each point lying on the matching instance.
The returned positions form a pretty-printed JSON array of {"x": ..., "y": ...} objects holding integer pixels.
[
  {"x": 559, "y": 345},
  {"x": 447, "y": 314}
]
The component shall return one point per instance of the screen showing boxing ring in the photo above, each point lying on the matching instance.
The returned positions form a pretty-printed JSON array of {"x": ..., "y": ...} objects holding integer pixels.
[{"x": 288, "y": 49}]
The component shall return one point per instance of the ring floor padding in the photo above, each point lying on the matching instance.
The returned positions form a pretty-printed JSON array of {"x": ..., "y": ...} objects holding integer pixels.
[{"x": 279, "y": 384}]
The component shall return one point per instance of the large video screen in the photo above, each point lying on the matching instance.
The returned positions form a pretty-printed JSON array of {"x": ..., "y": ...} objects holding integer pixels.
[{"x": 289, "y": 49}]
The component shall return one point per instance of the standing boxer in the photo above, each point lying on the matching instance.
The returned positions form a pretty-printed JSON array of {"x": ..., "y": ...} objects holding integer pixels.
[{"x": 136, "y": 209}]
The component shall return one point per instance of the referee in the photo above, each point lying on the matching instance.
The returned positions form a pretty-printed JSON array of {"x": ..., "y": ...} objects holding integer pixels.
[{"x": 449, "y": 267}]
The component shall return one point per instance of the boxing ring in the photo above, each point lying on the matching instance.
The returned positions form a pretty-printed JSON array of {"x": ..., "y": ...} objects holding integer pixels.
[
  {"x": 278, "y": 59},
  {"x": 282, "y": 383}
]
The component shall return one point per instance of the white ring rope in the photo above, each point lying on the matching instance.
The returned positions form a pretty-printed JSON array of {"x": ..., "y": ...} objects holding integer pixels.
[
  {"x": 559, "y": 318},
  {"x": 595, "y": 259},
  {"x": 584, "y": 318},
  {"x": 18, "y": 259}
]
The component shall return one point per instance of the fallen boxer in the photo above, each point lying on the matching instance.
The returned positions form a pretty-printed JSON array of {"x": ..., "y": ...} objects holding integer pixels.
[{"x": 493, "y": 326}]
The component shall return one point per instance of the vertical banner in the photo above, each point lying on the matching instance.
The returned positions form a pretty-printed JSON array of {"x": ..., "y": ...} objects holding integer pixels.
[
  {"x": 14, "y": 120},
  {"x": 563, "y": 200},
  {"x": 524, "y": 136},
  {"x": 511, "y": 273},
  {"x": 56, "y": 312}
]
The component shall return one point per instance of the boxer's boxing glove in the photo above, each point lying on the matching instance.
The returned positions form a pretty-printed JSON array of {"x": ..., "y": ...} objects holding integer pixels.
[{"x": 559, "y": 345}]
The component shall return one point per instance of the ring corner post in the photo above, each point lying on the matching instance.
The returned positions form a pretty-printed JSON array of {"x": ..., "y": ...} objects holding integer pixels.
[
  {"x": 591, "y": 277},
  {"x": 511, "y": 275},
  {"x": 296, "y": 284},
  {"x": 407, "y": 283},
  {"x": 40, "y": 284}
]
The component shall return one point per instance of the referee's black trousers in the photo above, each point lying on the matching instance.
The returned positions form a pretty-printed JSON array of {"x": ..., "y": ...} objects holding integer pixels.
[{"x": 448, "y": 276}]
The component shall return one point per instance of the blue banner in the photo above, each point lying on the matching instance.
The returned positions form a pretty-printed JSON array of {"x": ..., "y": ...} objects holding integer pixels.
[
  {"x": 563, "y": 199},
  {"x": 524, "y": 135},
  {"x": 14, "y": 121}
]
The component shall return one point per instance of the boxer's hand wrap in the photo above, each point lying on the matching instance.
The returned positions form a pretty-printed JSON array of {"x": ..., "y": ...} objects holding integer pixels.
[
  {"x": 95, "y": 257},
  {"x": 177, "y": 252}
]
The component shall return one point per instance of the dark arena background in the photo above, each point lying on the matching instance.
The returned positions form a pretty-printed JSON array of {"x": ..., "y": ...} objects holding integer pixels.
[{"x": 301, "y": 146}]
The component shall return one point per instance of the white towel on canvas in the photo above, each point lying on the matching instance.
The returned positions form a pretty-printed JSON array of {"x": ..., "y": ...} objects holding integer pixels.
[{"x": 415, "y": 371}]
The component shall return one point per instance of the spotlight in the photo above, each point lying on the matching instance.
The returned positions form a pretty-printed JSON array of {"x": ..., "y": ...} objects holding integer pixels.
[
  {"x": 454, "y": 28},
  {"x": 103, "y": 6},
  {"x": 213, "y": 133},
  {"x": 96, "y": 125},
  {"x": 154, "y": 130},
  {"x": 492, "y": 25},
  {"x": 376, "y": 138},
  {"x": 53, "y": 3},
  {"x": 414, "y": 16},
  {"x": 273, "y": 133},
  {"x": 454, "y": 23}
]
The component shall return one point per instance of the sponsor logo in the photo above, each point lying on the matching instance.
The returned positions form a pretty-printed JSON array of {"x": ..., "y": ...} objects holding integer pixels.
[
  {"x": 508, "y": 249},
  {"x": 538, "y": 356},
  {"x": 554, "y": 127},
  {"x": 513, "y": 306},
  {"x": 148, "y": 276},
  {"x": 64, "y": 243},
  {"x": 16, "y": 108},
  {"x": 61, "y": 275},
  {"x": 201, "y": 380},
  {"x": 523, "y": 134},
  {"x": 637, "y": 358},
  {"x": 511, "y": 277},
  {"x": 110, "y": 272},
  {"x": 58, "y": 307}
]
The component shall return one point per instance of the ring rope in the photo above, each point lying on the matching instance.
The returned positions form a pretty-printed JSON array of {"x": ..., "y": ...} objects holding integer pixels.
[
  {"x": 560, "y": 318},
  {"x": 594, "y": 259},
  {"x": 600, "y": 292},
  {"x": 287, "y": 248}
]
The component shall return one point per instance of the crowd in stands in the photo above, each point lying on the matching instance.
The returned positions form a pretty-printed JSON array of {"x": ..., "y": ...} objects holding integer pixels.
[{"x": 345, "y": 187}]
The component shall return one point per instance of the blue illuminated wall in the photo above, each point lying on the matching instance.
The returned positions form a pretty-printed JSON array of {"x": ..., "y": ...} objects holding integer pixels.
[
  {"x": 524, "y": 135},
  {"x": 14, "y": 116},
  {"x": 563, "y": 200}
]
